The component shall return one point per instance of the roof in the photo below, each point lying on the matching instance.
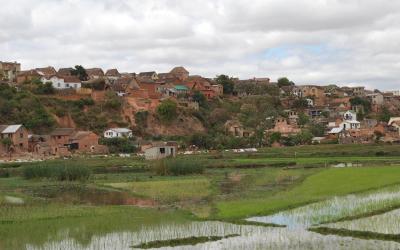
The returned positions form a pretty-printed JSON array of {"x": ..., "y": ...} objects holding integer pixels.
[
  {"x": 47, "y": 71},
  {"x": 179, "y": 69},
  {"x": 10, "y": 129},
  {"x": 147, "y": 74},
  {"x": 163, "y": 144},
  {"x": 120, "y": 130},
  {"x": 94, "y": 72},
  {"x": 113, "y": 72},
  {"x": 64, "y": 71},
  {"x": 181, "y": 87},
  {"x": 81, "y": 134},
  {"x": 335, "y": 131},
  {"x": 62, "y": 131},
  {"x": 71, "y": 79},
  {"x": 393, "y": 119}
]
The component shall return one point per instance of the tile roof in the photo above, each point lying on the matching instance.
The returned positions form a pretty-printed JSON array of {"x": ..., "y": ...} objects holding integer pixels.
[
  {"x": 64, "y": 71},
  {"x": 62, "y": 131},
  {"x": 94, "y": 72},
  {"x": 47, "y": 71},
  {"x": 113, "y": 72}
]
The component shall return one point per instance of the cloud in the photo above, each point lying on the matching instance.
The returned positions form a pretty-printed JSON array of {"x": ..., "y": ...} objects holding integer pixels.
[{"x": 310, "y": 41}]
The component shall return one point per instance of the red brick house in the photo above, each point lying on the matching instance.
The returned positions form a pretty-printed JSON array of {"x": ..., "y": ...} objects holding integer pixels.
[
  {"x": 283, "y": 127},
  {"x": 17, "y": 134},
  {"x": 86, "y": 142}
]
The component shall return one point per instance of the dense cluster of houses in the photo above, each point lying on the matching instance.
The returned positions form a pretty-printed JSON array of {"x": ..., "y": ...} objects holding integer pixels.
[
  {"x": 331, "y": 107},
  {"x": 328, "y": 105}
]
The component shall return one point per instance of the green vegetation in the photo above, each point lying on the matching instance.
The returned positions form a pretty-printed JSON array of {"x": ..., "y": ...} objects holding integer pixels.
[
  {"x": 22, "y": 107},
  {"x": 56, "y": 195},
  {"x": 226, "y": 82},
  {"x": 317, "y": 187},
  {"x": 284, "y": 81},
  {"x": 169, "y": 190},
  {"x": 182, "y": 242},
  {"x": 179, "y": 167},
  {"x": 119, "y": 145},
  {"x": 167, "y": 110},
  {"x": 356, "y": 234},
  {"x": 57, "y": 172}
]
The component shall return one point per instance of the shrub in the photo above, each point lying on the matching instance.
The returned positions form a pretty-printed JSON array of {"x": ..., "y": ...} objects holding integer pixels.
[
  {"x": 167, "y": 110},
  {"x": 179, "y": 167},
  {"x": 57, "y": 172},
  {"x": 119, "y": 145}
]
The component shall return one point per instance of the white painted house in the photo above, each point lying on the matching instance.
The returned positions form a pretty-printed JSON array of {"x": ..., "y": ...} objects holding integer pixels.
[
  {"x": 63, "y": 82},
  {"x": 118, "y": 133},
  {"x": 350, "y": 121}
]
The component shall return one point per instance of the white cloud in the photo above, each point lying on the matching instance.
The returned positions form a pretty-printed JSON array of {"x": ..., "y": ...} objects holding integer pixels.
[{"x": 313, "y": 41}]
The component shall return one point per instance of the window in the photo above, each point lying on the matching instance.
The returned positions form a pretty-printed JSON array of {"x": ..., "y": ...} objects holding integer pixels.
[
  {"x": 75, "y": 85},
  {"x": 21, "y": 135},
  {"x": 59, "y": 137},
  {"x": 67, "y": 85},
  {"x": 162, "y": 150},
  {"x": 21, "y": 145},
  {"x": 58, "y": 85}
]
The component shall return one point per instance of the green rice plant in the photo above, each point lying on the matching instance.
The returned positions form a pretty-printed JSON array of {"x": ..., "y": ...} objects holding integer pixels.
[
  {"x": 335, "y": 209},
  {"x": 179, "y": 166},
  {"x": 62, "y": 172},
  {"x": 387, "y": 223}
]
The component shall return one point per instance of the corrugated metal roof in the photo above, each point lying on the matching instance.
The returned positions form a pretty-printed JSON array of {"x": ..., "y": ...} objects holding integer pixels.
[
  {"x": 335, "y": 131},
  {"x": 11, "y": 129},
  {"x": 121, "y": 130}
]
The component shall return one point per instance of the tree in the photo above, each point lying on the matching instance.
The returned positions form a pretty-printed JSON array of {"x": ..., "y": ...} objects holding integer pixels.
[
  {"x": 80, "y": 72},
  {"x": 355, "y": 101},
  {"x": 226, "y": 82},
  {"x": 167, "y": 110},
  {"x": 284, "y": 81},
  {"x": 304, "y": 137},
  {"x": 7, "y": 143},
  {"x": 303, "y": 119},
  {"x": 275, "y": 137},
  {"x": 112, "y": 102},
  {"x": 301, "y": 103},
  {"x": 317, "y": 129},
  {"x": 200, "y": 98},
  {"x": 384, "y": 115},
  {"x": 45, "y": 89}
]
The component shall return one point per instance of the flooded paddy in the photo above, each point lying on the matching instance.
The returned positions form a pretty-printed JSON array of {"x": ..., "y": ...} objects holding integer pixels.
[
  {"x": 251, "y": 237},
  {"x": 387, "y": 223},
  {"x": 334, "y": 209}
]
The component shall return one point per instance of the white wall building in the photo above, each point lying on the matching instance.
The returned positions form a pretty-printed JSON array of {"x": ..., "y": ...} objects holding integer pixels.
[
  {"x": 63, "y": 82},
  {"x": 118, "y": 133}
]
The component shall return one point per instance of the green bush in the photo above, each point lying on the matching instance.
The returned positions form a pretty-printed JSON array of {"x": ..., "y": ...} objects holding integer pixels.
[
  {"x": 119, "y": 145},
  {"x": 57, "y": 172},
  {"x": 179, "y": 167},
  {"x": 167, "y": 110}
]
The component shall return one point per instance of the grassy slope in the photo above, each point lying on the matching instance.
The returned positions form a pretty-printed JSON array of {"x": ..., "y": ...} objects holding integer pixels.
[{"x": 319, "y": 186}]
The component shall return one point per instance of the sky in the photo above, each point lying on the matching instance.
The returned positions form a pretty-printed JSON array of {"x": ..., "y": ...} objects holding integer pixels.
[{"x": 344, "y": 42}]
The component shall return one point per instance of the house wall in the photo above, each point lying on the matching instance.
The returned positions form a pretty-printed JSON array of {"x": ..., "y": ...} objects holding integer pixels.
[
  {"x": 88, "y": 143},
  {"x": 19, "y": 140},
  {"x": 154, "y": 153},
  {"x": 58, "y": 83}
]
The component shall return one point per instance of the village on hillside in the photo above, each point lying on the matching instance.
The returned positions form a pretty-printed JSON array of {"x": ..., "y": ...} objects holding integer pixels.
[{"x": 307, "y": 114}]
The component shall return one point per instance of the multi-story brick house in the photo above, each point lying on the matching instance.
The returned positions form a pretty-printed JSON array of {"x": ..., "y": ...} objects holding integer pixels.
[
  {"x": 9, "y": 71},
  {"x": 17, "y": 136}
]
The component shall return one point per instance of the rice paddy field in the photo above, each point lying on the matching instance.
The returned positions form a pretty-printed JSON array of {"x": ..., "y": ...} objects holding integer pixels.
[{"x": 312, "y": 197}]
